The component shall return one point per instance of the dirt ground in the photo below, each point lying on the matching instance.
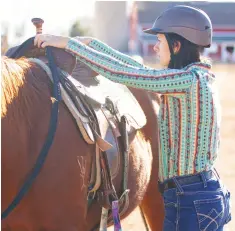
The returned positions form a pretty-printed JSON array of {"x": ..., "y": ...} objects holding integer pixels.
[{"x": 226, "y": 161}]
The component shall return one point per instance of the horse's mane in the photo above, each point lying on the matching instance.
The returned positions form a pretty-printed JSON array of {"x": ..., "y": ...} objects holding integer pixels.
[{"x": 24, "y": 85}]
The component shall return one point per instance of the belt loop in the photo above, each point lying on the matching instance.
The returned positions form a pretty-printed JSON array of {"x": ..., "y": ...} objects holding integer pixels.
[
  {"x": 178, "y": 186},
  {"x": 203, "y": 179}
]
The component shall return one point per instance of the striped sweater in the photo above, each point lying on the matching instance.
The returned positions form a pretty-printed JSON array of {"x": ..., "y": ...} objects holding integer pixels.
[{"x": 189, "y": 118}]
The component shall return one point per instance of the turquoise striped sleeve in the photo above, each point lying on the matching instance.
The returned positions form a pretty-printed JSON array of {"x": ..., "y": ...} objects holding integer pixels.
[
  {"x": 168, "y": 81},
  {"x": 104, "y": 48}
]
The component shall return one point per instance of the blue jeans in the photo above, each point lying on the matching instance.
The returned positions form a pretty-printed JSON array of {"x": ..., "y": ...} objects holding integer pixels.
[{"x": 199, "y": 206}]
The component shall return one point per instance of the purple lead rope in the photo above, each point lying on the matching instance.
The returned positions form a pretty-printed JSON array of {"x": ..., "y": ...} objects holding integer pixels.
[{"x": 116, "y": 219}]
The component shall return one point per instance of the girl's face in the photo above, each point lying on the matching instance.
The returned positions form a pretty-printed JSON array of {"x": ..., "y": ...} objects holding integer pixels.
[{"x": 162, "y": 50}]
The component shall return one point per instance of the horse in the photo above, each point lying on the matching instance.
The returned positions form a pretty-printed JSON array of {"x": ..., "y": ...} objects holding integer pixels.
[{"x": 57, "y": 199}]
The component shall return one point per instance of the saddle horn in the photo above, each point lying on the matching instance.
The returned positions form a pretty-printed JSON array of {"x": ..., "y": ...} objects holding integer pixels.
[{"x": 37, "y": 22}]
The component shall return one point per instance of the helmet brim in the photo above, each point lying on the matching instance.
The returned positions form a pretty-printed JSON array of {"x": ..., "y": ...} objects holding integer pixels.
[{"x": 153, "y": 31}]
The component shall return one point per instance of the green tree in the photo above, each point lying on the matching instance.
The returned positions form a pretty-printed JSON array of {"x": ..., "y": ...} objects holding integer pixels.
[{"x": 78, "y": 30}]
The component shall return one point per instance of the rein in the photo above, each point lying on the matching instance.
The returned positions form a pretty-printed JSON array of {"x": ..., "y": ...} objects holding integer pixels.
[{"x": 52, "y": 126}]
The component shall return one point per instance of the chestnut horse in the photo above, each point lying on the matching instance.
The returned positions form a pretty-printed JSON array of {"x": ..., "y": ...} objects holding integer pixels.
[{"x": 57, "y": 199}]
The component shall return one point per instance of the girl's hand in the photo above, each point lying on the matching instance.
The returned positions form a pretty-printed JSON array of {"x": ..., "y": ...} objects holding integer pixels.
[{"x": 43, "y": 40}]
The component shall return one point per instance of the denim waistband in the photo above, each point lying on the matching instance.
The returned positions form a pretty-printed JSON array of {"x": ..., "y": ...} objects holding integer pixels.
[{"x": 178, "y": 181}]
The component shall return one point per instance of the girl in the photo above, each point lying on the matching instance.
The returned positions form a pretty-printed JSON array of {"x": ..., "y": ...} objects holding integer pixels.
[{"x": 189, "y": 119}]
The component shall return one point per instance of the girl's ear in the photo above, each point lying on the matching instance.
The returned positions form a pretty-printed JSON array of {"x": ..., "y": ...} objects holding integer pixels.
[{"x": 177, "y": 46}]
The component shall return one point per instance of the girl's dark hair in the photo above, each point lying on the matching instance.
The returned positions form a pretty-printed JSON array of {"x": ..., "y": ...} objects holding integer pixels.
[{"x": 188, "y": 53}]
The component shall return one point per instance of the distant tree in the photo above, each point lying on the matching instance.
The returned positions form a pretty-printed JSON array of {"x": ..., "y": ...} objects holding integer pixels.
[{"x": 78, "y": 30}]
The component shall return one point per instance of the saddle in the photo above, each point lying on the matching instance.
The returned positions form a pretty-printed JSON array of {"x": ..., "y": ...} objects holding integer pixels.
[
  {"x": 110, "y": 102},
  {"x": 106, "y": 113}
]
